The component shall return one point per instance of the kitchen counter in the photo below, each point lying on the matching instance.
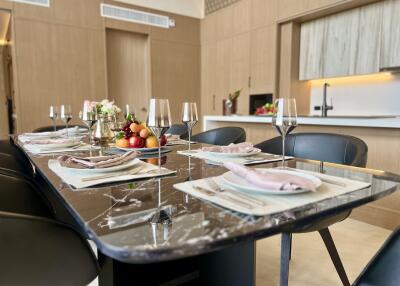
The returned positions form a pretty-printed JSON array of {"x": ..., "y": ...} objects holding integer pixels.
[{"x": 351, "y": 121}]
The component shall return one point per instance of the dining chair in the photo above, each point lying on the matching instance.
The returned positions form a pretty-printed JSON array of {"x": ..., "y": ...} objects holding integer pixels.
[
  {"x": 325, "y": 147},
  {"x": 221, "y": 136},
  {"x": 12, "y": 158},
  {"x": 58, "y": 127},
  {"x": 383, "y": 269},
  {"x": 178, "y": 129},
  {"x": 40, "y": 251}
]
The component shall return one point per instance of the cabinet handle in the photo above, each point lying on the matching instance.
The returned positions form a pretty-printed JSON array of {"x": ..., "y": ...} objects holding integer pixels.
[
  {"x": 213, "y": 102},
  {"x": 249, "y": 82},
  {"x": 144, "y": 109}
]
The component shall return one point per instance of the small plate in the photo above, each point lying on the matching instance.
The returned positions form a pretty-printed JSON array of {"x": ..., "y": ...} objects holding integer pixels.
[
  {"x": 58, "y": 145},
  {"x": 126, "y": 165},
  {"x": 240, "y": 184},
  {"x": 245, "y": 154}
]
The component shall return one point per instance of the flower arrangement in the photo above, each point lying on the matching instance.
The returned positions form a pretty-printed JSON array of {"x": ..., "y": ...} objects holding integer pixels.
[{"x": 104, "y": 107}]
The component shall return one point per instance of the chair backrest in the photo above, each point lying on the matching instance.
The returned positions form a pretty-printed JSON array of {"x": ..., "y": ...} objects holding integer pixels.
[
  {"x": 326, "y": 147},
  {"x": 12, "y": 158},
  {"x": 58, "y": 127},
  {"x": 178, "y": 129},
  {"x": 221, "y": 136}
]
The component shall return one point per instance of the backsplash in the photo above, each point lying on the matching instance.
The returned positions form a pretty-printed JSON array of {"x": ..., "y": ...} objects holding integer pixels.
[{"x": 363, "y": 95}]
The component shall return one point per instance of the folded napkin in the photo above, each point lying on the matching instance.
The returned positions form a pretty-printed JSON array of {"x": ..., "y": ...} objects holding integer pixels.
[
  {"x": 99, "y": 162},
  {"x": 53, "y": 141},
  {"x": 172, "y": 136},
  {"x": 271, "y": 180},
  {"x": 231, "y": 148}
]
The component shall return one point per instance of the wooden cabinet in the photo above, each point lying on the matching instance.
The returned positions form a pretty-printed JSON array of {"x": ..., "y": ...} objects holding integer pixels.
[
  {"x": 263, "y": 13},
  {"x": 390, "y": 55},
  {"x": 263, "y": 60},
  {"x": 291, "y": 8},
  {"x": 223, "y": 72},
  {"x": 209, "y": 78},
  {"x": 343, "y": 44}
]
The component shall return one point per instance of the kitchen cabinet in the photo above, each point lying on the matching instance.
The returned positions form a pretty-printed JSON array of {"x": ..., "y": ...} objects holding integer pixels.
[
  {"x": 343, "y": 44},
  {"x": 390, "y": 55}
]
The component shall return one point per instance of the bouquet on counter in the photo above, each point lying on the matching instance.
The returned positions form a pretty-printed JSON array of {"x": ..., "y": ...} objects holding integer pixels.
[{"x": 104, "y": 107}]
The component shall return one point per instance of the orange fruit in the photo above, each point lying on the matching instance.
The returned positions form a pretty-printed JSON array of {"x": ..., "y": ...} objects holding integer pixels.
[
  {"x": 151, "y": 142},
  {"x": 122, "y": 143},
  {"x": 135, "y": 128},
  {"x": 144, "y": 133}
]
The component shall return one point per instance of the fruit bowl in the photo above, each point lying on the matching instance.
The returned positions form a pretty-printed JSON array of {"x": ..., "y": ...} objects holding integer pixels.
[
  {"x": 266, "y": 110},
  {"x": 136, "y": 135}
]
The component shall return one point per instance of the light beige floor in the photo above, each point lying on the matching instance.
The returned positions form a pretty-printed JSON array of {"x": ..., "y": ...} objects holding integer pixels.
[{"x": 356, "y": 241}]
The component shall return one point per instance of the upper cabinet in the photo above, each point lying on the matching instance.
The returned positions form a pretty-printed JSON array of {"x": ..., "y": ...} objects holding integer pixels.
[
  {"x": 390, "y": 55},
  {"x": 344, "y": 44}
]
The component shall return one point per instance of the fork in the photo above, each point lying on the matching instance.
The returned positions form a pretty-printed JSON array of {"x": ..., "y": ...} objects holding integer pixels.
[
  {"x": 106, "y": 176},
  {"x": 216, "y": 187}
]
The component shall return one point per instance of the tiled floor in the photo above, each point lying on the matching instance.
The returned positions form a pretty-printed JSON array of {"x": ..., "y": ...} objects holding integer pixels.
[{"x": 357, "y": 242}]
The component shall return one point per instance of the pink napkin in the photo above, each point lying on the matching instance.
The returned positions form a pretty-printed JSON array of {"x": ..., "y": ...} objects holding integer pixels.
[
  {"x": 231, "y": 148},
  {"x": 271, "y": 180},
  {"x": 53, "y": 141},
  {"x": 99, "y": 162}
]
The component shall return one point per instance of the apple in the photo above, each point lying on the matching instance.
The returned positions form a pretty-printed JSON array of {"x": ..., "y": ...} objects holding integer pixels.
[
  {"x": 144, "y": 133},
  {"x": 135, "y": 128},
  {"x": 163, "y": 140},
  {"x": 136, "y": 142}
]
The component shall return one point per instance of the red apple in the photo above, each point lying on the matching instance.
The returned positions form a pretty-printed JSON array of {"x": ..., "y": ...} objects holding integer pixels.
[
  {"x": 136, "y": 142},
  {"x": 163, "y": 140}
]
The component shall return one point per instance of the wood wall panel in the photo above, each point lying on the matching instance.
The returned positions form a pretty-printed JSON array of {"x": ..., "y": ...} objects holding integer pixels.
[
  {"x": 263, "y": 13},
  {"x": 3, "y": 95},
  {"x": 391, "y": 34},
  {"x": 209, "y": 78},
  {"x": 241, "y": 17}
]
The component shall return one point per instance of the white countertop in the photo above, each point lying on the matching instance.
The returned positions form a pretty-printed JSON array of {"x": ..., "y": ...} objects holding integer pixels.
[{"x": 371, "y": 122}]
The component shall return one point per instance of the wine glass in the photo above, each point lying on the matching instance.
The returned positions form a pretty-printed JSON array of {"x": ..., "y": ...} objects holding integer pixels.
[
  {"x": 284, "y": 119},
  {"x": 128, "y": 110},
  {"x": 53, "y": 114},
  {"x": 66, "y": 115},
  {"x": 159, "y": 121},
  {"x": 189, "y": 118},
  {"x": 89, "y": 117}
]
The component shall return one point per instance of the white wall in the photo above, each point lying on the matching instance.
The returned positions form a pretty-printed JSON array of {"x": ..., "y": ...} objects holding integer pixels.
[
  {"x": 191, "y": 8},
  {"x": 365, "y": 95}
]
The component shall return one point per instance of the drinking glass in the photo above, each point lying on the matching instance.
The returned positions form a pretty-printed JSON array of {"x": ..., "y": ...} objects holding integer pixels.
[
  {"x": 128, "y": 109},
  {"x": 189, "y": 118},
  {"x": 89, "y": 117},
  {"x": 159, "y": 121},
  {"x": 66, "y": 115},
  {"x": 284, "y": 120},
  {"x": 53, "y": 114}
]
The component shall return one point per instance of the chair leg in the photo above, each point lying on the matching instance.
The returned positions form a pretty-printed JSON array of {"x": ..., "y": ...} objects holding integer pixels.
[
  {"x": 285, "y": 256},
  {"x": 330, "y": 245},
  {"x": 290, "y": 246}
]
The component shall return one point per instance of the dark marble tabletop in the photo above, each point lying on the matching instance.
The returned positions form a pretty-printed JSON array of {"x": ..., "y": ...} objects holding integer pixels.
[{"x": 116, "y": 216}]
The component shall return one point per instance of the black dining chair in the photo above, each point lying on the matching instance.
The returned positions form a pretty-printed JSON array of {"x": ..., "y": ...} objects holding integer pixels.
[
  {"x": 383, "y": 269},
  {"x": 325, "y": 147},
  {"x": 12, "y": 158},
  {"x": 178, "y": 129},
  {"x": 58, "y": 127},
  {"x": 40, "y": 251},
  {"x": 221, "y": 136}
]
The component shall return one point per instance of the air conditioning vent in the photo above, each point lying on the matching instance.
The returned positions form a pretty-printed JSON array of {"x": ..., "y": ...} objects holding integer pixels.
[
  {"x": 44, "y": 3},
  {"x": 135, "y": 16}
]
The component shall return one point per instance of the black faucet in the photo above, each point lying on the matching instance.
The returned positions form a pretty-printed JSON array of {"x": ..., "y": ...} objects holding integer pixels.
[{"x": 324, "y": 107}]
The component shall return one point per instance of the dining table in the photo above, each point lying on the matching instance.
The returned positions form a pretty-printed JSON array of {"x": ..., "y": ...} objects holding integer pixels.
[{"x": 198, "y": 242}]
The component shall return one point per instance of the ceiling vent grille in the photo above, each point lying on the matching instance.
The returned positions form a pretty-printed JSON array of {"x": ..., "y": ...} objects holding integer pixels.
[
  {"x": 135, "y": 16},
  {"x": 44, "y": 3}
]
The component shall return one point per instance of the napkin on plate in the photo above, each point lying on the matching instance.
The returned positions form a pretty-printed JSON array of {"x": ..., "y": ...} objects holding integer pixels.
[
  {"x": 53, "y": 141},
  {"x": 244, "y": 147},
  {"x": 99, "y": 162},
  {"x": 271, "y": 180}
]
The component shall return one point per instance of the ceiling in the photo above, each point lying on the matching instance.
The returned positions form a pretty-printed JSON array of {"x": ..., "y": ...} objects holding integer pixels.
[
  {"x": 4, "y": 24},
  {"x": 214, "y": 5}
]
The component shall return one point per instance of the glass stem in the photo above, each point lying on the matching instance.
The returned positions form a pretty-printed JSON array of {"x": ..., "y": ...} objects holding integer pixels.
[
  {"x": 283, "y": 149},
  {"x": 159, "y": 154},
  {"x": 66, "y": 124},
  {"x": 190, "y": 135},
  {"x": 54, "y": 125}
]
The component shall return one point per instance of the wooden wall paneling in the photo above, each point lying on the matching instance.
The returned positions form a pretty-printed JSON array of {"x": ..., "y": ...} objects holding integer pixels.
[
  {"x": 224, "y": 71},
  {"x": 390, "y": 56},
  {"x": 128, "y": 65},
  {"x": 224, "y": 23},
  {"x": 126, "y": 26},
  {"x": 290, "y": 8},
  {"x": 263, "y": 59},
  {"x": 263, "y": 13},
  {"x": 6, "y": 4},
  {"x": 3, "y": 95},
  {"x": 341, "y": 43},
  {"x": 208, "y": 28},
  {"x": 241, "y": 17},
  {"x": 311, "y": 49},
  {"x": 209, "y": 79},
  {"x": 175, "y": 73},
  {"x": 241, "y": 70}
]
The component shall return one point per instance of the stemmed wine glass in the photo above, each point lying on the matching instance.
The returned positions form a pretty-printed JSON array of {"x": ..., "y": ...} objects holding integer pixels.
[
  {"x": 89, "y": 117},
  {"x": 159, "y": 121},
  {"x": 189, "y": 118},
  {"x": 53, "y": 114},
  {"x": 285, "y": 119},
  {"x": 66, "y": 115},
  {"x": 128, "y": 110}
]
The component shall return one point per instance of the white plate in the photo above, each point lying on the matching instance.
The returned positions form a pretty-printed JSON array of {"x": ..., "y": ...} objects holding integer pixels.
[
  {"x": 242, "y": 185},
  {"x": 245, "y": 154},
  {"x": 58, "y": 145},
  {"x": 144, "y": 150},
  {"x": 127, "y": 165}
]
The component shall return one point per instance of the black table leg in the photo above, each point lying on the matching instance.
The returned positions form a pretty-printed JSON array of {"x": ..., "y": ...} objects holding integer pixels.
[{"x": 234, "y": 266}]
